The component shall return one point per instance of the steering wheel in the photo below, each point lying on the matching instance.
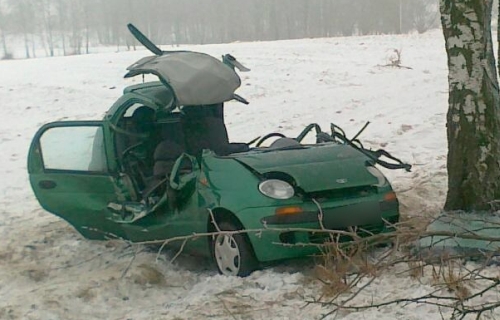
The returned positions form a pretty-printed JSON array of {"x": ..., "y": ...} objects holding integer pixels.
[
  {"x": 131, "y": 151},
  {"x": 132, "y": 163},
  {"x": 270, "y": 135}
]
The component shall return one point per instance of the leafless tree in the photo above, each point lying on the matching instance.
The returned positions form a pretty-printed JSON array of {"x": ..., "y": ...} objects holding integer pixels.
[
  {"x": 46, "y": 10},
  {"x": 3, "y": 25},
  {"x": 473, "y": 120},
  {"x": 25, "y": 17},
  {"x": 61, "y": 20},
  {"x": 77, "y": 23}
]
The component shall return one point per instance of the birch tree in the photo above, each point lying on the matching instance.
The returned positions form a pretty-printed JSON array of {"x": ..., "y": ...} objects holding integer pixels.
[
  {"x": 473, "y": 125},
  {"x": 3, "y": 19},
  {"x": 46, "y": 11},
  {"x": 25, "y": 21},
  {"x": 61, "y": 12}
]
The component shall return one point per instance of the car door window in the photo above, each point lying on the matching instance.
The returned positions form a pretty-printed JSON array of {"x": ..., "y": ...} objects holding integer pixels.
[{"x": 74, "y": 148}]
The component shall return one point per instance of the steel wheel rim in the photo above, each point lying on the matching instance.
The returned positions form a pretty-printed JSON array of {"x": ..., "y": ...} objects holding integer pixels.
[{"x": 227, "y": 254}]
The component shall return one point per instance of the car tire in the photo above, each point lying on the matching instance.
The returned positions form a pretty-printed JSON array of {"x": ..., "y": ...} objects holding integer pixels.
[{"x": 232, "y": 253}]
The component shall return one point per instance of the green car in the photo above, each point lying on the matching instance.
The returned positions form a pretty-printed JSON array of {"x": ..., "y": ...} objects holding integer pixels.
[{"x": 160, "y": 167}]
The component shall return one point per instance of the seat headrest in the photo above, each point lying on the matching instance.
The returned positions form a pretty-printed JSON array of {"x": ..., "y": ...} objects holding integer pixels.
[{"x": 167, "y": 150}]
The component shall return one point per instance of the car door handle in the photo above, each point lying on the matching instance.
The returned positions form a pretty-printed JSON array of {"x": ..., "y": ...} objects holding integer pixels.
[{"x": 47, "y": 184}]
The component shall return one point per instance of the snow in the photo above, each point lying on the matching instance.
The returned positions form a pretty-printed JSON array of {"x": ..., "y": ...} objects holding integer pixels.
[{"x": 48, "y": 271}]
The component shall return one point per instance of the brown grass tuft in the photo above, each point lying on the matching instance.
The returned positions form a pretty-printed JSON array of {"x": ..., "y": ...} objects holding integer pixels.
[
  {"x": 86, "y": 294},
  {"x": 416, "y": 269},
  {"x": 449, "y": 276},
  {"x": 35, "y": 274},
  {"x": 146, "y": 274},
  {"x": 338, "y": 264}
]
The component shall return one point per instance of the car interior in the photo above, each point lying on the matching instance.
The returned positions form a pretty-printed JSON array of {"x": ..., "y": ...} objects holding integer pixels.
[{"x": 148, "y": 144}]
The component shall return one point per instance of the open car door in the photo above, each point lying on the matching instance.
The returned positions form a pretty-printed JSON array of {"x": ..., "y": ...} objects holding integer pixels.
[{"x": 70, "y": 178}]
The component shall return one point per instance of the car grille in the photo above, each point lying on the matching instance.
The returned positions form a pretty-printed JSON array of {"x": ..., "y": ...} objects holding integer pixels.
[
  {"x": 362, "y": 231},
  {"x": 338, "y": 194}
]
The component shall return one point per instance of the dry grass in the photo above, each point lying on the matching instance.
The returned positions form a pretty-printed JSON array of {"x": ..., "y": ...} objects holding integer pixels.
[
  {"x": 416, "y": 269},
  {"x": 334, "y": 283},
  {"x": 346, "y": 270},
  {"x": 6, "y": 256},
  {"x": 449, "y": 275},
  {"x": 337, "y": 266},
  {"x": 35, "y": 274},
  {"x": 147, "y": 275},
  {"x": 86, "y": 294},
  {"x": 8, "y": 313}
]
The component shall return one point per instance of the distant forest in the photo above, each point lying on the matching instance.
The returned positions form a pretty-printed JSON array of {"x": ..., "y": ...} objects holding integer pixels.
[{"x": 64, "y": 27}]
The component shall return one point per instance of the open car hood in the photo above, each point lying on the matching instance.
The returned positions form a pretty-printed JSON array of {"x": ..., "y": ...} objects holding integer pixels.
[
  {"x": 195, "y": 78},
  {"x": 317, "y": 168}
]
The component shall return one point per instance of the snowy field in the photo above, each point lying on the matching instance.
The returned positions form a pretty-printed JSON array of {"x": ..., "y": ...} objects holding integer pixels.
[{"x": 48, "y": 271}]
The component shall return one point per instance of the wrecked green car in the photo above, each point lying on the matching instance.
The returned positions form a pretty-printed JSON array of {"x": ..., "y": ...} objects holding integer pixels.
[{"x": 160, "y": 166}]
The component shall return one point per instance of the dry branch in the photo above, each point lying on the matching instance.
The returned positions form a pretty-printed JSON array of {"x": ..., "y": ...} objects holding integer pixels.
[{"x": 348, "y": 268}]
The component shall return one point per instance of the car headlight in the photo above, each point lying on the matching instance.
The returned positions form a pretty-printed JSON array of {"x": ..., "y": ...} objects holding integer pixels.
[
  {"x": 382, "y": 181},
  {"x": 276, "y": 189}
]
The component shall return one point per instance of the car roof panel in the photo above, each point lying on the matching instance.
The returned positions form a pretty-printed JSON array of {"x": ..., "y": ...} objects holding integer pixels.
[{"x": 195, "y": 78}]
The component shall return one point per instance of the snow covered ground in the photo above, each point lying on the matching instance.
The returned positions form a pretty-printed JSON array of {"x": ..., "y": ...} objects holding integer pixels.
[{"x": 48, "y": 271}]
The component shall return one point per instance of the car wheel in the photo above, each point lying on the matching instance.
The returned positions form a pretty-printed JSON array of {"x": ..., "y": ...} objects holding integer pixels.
[{"x": 232, "y": 253}]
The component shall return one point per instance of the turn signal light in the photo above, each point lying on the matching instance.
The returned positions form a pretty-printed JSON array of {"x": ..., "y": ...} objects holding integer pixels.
[
  {"x": 288, "y": 210},
  {"x": 390, "y": 196}
]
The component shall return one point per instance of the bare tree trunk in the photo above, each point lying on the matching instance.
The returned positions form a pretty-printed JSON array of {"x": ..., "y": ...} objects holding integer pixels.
[
  {"x": 46, "y": 7},
  {"x": 2, "y": 34},
  {"x": 87, "y": 32},
  {"x": 87, "y": 40},
  {"x": 33, "y": 46},
  {"x": 86, "y": 15},
  {"x": 4, "y": 43},
  {"x": 26, "y": 45},
  {"x": 400, "y": 16},
  {"x": 473, "y": 124},
  {"x": 63, "y": 39},
  {"x": 25, "y": 16},
  {"x": 62, "y": 25}
]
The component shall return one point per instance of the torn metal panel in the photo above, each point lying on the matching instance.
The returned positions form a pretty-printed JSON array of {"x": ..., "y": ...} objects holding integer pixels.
[{"x": 468, "y": 230}]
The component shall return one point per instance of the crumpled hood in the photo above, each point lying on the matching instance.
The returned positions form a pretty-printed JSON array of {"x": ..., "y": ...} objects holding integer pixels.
[{"x": 316, "y": 168}]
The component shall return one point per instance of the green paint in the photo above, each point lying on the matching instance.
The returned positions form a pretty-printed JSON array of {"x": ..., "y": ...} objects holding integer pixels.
[{"x": 109, "y": 204}]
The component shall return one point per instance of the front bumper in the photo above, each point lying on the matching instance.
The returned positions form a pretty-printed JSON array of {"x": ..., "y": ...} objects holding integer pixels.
[{"x": 282, "y": 237}]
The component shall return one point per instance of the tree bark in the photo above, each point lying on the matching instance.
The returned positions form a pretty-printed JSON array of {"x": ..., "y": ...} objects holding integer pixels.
[
  {"x": 473, "y": 125},
  {"x": 4, "y": 44},
  {"x": 46, "y": 9},
  {"x": 26, "y": 46}
]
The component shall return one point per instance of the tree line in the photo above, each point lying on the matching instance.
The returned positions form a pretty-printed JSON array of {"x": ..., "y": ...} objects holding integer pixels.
[{"x": 72, "y": 26}]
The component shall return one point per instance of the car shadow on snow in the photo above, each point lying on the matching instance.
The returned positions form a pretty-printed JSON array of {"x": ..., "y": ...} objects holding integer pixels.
[
  {"x": 185, "y": 261},
  {"x": 206, "y": 266}
]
